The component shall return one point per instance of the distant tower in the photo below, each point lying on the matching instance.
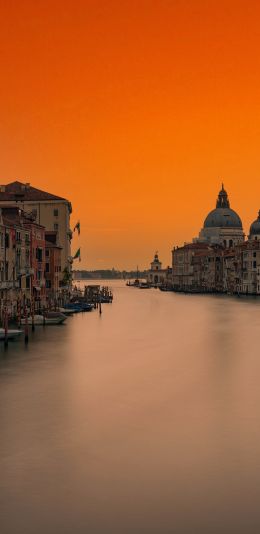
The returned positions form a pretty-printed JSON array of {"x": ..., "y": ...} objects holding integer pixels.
[{"x": 156, "y": 264}]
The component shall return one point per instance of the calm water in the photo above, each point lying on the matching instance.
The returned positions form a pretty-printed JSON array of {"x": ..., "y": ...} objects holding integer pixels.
[{"x": 143, "y": 420}]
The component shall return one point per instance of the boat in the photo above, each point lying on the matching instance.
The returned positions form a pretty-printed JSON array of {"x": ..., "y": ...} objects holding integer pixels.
[
  {"x": 136, "y": 283},
  {"x": 46, "y": 319},
  {"x": 79, "y": 306},
  {"x": 143, "y": 285},
  {"x": 11, "y": 333},
  {"x": 68, "y": 311}
]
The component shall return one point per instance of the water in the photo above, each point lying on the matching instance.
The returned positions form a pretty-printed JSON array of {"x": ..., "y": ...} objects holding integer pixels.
[{"x": 143, "y": 420}]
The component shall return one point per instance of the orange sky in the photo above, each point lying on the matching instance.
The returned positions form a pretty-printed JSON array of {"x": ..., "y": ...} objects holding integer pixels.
[{"x": 135, "y": 110}]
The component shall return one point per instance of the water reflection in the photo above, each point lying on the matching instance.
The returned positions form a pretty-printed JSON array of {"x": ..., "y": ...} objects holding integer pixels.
[{"x": 145, "y": 419}]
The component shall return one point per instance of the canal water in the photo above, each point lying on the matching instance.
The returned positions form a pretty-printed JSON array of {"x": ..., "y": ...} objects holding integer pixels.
[{"x": 145, "y": 419}]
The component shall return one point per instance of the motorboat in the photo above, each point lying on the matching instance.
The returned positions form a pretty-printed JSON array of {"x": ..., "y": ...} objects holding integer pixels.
[
  {"x": 48, "y": 318},
  {"x": 143, "y": 285},
  {"x": 79, "y": 306},
  {"x": 68, "y": 311},
  {"x": 11, "y": 333}
]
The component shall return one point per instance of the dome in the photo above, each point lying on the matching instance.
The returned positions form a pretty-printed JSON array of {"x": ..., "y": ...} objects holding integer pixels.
[
  {"x": 255, "y": 226},
  {"x": 223, "y": 216}
]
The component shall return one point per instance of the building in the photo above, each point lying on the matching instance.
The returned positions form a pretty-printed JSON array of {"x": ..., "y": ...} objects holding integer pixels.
[
  {"x": 220, "y": 260},
  {"x": 222, "y": 225},
  {"x": 185, "y": 276},
  {"x": 15, "y": 260},
  {"x": 157, "y": 276},
  {"x": 52, "y": 267},
  {"x": 51, "y": 211},
  {"x": 30, "y": 252}
]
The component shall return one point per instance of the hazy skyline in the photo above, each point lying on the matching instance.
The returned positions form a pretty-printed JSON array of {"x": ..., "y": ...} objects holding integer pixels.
[{"x": 136, "y": 112}]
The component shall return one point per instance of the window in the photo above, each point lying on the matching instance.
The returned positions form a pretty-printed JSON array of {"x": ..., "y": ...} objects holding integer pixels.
[
  {"x": 254, "y": 264},
  {"x": 47, "y": 268},
  {"x": 39, "y": 254},
  {"x": 48, "y": 284},
  {"x": 47, "y": 253},
  {"x": 56, "y": 213},
  {"x": 7, "y": 240},
  {"x": 56, "y": 227},
  {"x": 27, "y": 282}
]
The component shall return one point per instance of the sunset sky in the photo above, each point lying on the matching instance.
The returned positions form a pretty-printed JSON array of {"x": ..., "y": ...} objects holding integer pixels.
[{"x": 136, "y": 111}]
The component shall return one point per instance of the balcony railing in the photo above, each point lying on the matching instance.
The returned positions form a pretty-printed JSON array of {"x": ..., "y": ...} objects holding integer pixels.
[{"x": 10, "y": 284}]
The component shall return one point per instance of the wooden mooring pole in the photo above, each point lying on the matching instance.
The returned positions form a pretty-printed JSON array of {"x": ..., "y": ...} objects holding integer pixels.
[
  {"x": 6, "y": 326},
  {"x": 26, "y": 330}
]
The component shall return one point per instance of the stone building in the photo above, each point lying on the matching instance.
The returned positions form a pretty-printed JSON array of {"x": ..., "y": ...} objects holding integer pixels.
[
  {"x": 52, "y": 267},
  {"x": 156, "y": 275},
  {"x": 184, "y": 269},
  {"x": 15, "y": 262},
  {"x": 30, "y": 254},
  {"x": 220, "y": 260},
  {"x": 51, "y": 211}
]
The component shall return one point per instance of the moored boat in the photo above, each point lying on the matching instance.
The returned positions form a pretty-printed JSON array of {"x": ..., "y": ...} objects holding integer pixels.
[
  {"x": 12, "y": 333},
  {"x": 48, "y": 318}
]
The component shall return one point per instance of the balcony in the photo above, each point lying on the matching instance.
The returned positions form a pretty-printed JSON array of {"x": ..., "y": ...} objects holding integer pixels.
[{"x": 11, "y": 284}]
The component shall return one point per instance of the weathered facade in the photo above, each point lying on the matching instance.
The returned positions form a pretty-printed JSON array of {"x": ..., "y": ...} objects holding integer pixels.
[
  {"x": 51, "y": 211},
  {"x": 52, "y": 267}
]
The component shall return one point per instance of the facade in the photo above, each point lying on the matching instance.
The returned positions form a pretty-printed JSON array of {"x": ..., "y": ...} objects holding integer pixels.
[
  {"x": 15, "y": 262},
  {"x": 51, "y": 211},
  {"x": 52, "y": 267},
  {"x": 157, "y": 276},
  {"x": 220, "y": 260}
]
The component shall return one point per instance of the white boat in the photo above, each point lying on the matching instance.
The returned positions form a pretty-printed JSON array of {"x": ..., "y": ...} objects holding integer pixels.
[
  {"x": 11, "y": 333},
  {"x": 68, "y": 311},
  {"x": 48, "y": 318}
]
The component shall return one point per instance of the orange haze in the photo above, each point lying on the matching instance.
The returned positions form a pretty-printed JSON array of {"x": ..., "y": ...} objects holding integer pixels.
[{"x": 135, "y": 110}]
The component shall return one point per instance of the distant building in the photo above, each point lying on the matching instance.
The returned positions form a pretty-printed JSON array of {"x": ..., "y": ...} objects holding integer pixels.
[
  {"x": 51, "y": 211},
  {"x": 220, "y": 260},
  {"x": 222, "y": 225},
  {"x": 156, "y": 275}
]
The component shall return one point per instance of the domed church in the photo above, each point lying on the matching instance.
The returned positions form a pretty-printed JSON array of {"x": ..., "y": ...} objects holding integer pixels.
[
  {"x": 254, "y": 233},
  {"x": 222, "y": 225}
]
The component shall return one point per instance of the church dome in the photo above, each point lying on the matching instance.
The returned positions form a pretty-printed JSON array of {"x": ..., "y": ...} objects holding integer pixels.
[
  {"x": 223, "y": 216},
  {"x": 255, "y": 226}
]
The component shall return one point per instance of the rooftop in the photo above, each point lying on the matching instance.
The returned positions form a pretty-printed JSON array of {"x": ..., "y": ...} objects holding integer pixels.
[{"x": 16, "y": 191}]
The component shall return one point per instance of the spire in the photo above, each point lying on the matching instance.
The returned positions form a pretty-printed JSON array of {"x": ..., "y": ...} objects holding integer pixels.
[{"x": 222, "y": 201}]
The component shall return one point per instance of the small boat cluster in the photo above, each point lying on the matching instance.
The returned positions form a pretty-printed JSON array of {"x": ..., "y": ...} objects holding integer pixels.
[
  {"x": 81, "y": 301},
  {"x": 140, "y": 284}
]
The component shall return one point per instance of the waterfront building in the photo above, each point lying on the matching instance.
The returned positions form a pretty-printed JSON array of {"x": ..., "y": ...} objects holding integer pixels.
[
  {"x": 51, "y": 211},
  {"x": 15, "y": 261},
  {"x": 220, "y": 260},
  {"x": 52, "y": 267},
  {"x": 156, "y": 275},
  {"x": 185, "y": 276},
  {"x": 222, "y": 225}
]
